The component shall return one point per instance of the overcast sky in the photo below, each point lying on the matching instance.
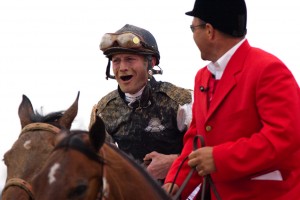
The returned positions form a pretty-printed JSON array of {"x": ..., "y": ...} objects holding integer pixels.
[{"x": 49, "y": 50}]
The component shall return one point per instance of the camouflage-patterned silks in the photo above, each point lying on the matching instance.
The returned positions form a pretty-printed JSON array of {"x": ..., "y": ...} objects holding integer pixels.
[{"x": 147, "y": 125}]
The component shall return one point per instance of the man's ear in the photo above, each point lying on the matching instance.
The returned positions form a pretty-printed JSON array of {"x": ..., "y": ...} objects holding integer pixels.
[{"x": 153, "y": 61}]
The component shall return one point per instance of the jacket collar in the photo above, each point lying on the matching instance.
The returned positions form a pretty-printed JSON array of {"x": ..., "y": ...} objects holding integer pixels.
[{"x": 230, "y": 76}]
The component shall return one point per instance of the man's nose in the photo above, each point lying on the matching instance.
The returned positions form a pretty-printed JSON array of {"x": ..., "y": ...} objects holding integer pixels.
[{"x": 123, "y": 66}]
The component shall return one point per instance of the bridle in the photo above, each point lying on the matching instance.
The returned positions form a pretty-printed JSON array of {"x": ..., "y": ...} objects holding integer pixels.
[
  {"x": 18, "y": 182},
  {"x": 104, "y": 187},
  {"x": 206, "y": 179},
  {"x": 24, "y": 185}
]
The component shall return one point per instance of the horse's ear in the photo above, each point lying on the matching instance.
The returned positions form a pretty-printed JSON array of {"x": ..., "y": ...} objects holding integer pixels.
[
  {"x": 69, "y": 115},
  {"x": 97, "y": 133},
  {"x": 25, "y": 111}
]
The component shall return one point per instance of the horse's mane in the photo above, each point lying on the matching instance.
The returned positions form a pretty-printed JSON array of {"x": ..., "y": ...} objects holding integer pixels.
[
  {"x": 49, "y": 118},
  {"x": 74, "y": 142},
  {"x": 154, "y": 184}
]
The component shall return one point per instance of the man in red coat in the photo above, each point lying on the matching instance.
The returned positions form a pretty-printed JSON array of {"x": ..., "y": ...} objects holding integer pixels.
[{"x": 247, "y": 109}]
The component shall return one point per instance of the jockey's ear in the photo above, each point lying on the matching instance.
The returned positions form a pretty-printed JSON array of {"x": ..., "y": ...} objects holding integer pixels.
[
  {"x": 97, "y": 133},
  {"x": 153, "y": 61}
]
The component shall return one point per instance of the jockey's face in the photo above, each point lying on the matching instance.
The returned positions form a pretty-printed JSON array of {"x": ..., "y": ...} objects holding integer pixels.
[{"x": 130, "y": 71}]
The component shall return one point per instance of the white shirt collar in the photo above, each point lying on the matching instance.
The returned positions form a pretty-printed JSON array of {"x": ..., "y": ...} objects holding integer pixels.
[
  {"x": 133, "y": 97},
  {"x": 219, "y": 66}
]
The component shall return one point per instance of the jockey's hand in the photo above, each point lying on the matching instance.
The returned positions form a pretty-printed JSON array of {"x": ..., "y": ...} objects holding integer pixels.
[
  {"x": 202, "y": 159},
  {"x": 167, "y": 188},
  {"x": 158, "y": 164}
]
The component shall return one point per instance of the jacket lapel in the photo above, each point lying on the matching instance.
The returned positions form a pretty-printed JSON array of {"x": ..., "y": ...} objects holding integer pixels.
[{"x": 229, "y": 80}]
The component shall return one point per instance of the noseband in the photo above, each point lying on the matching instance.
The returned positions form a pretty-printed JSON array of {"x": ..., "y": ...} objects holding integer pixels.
[{"x": 18, "y": 182}]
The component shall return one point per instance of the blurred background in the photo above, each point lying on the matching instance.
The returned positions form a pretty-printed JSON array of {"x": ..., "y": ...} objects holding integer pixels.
[{"x": 49, "y": 50}]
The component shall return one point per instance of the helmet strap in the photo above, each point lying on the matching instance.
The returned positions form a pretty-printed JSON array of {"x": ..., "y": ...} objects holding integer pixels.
[
  {"x": 157, "y": 71},
  {"x": 108, "y": 75},
  {"x": 151, "y": 70}
]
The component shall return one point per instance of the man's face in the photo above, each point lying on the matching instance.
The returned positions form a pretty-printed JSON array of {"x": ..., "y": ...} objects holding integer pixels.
[
  {"x": 130, "y": 71},
  {"x": 200, "y": 36}
]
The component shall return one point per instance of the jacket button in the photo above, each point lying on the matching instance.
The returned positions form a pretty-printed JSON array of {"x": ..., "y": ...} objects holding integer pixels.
[{"x": 208, "y": 128}]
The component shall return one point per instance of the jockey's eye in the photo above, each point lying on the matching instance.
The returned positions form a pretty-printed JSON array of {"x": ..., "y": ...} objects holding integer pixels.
[{"x": 78, "y": 191}]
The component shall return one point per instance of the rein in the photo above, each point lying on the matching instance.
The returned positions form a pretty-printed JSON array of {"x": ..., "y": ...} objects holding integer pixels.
[
  {"x": 206, "y": 178},
  {"x": 24, "y": 185}
]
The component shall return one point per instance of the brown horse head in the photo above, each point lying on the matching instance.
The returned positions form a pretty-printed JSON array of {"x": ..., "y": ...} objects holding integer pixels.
[
  {"x": 31, "y": 149},
  {"x": 83, "y": 166}
]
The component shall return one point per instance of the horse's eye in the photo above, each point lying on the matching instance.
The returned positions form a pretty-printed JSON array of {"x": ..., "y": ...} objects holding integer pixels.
[{"x": 78, "y": 191}]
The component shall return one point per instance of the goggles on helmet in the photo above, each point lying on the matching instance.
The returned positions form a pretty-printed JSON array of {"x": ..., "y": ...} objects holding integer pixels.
[{"x": 126, "y": 40}]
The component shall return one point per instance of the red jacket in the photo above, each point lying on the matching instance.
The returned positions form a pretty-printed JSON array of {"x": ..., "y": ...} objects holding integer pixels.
[{"x": 253, "y": 124}]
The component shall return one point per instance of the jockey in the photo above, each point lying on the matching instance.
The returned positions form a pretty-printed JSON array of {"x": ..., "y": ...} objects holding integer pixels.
[{"x": 144, "y": 117}]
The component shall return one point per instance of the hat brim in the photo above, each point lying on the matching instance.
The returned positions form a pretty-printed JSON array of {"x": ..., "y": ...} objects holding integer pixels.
[{"x": 190, "y": 13}]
